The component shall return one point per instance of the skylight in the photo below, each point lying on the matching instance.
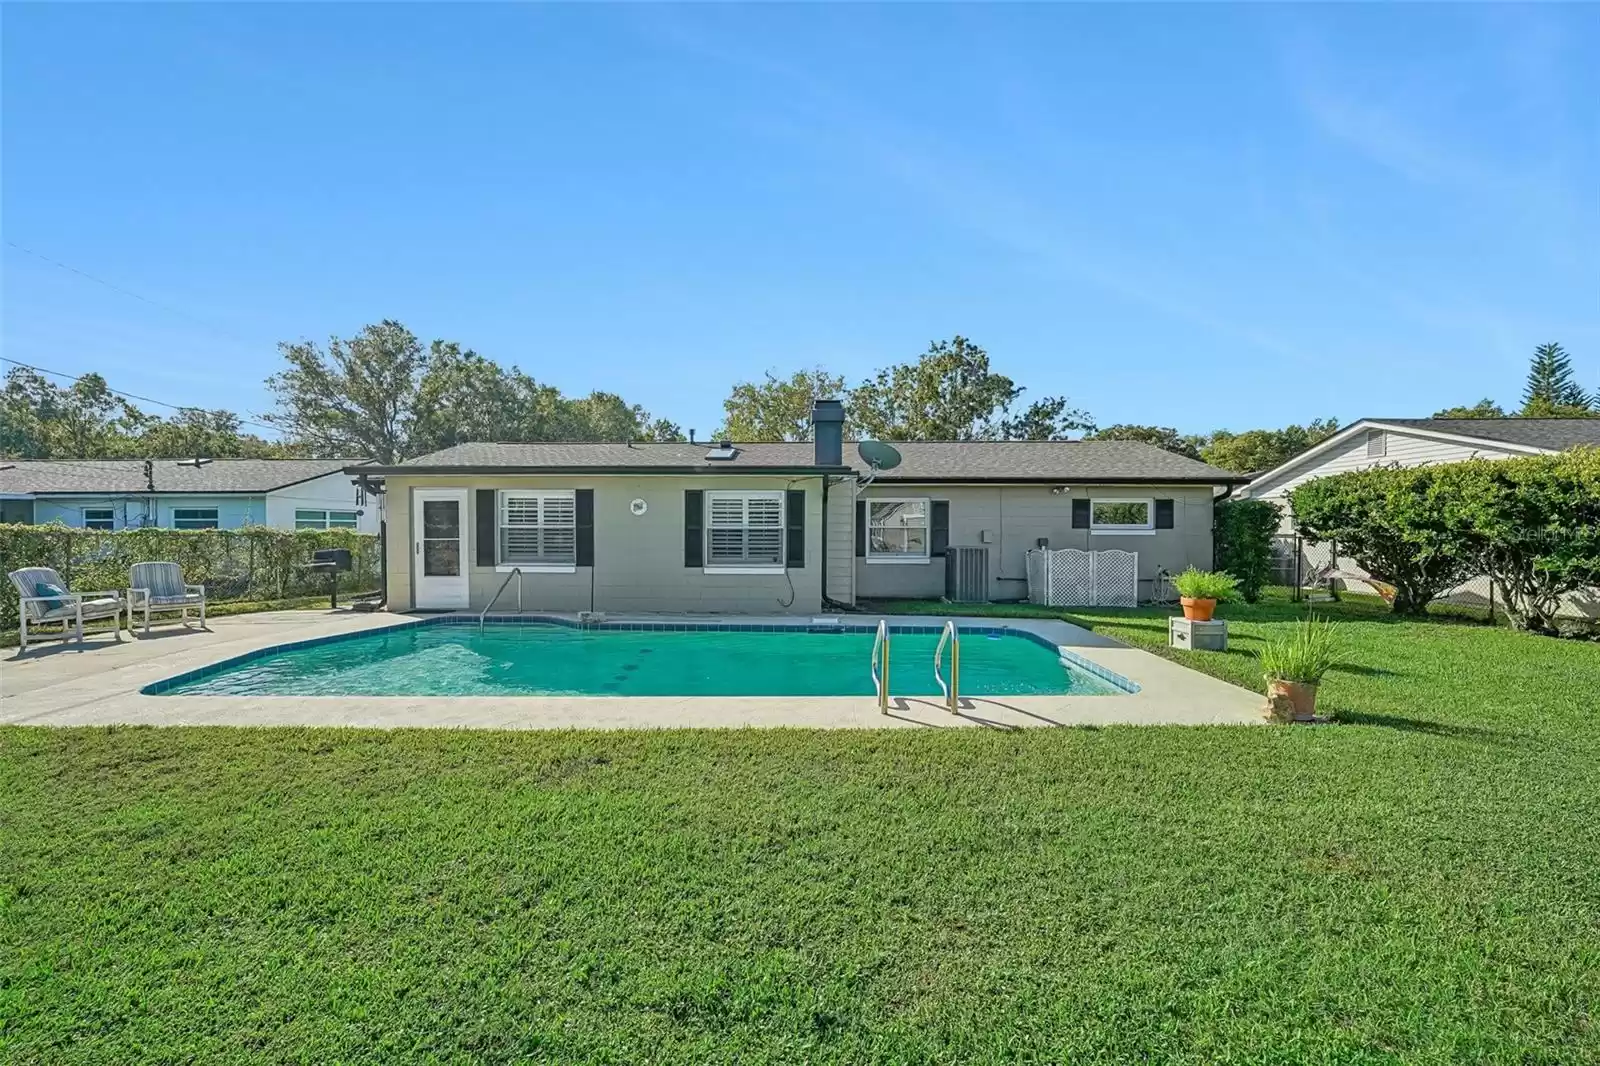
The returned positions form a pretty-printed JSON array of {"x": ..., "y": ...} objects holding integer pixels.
[{"x": 723, "y": 451}]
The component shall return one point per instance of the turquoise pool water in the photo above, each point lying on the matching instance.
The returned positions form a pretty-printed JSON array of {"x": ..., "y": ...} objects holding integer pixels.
[{"x": 550, "y": 660}]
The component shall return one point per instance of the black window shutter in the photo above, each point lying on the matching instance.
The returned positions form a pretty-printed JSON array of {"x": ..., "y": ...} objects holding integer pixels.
[
  {"x": 1163, "y": 514},
  {"x": 694, "y": 527},
  {"x": 1080, "y": 514},
  {"x": 585, "y": 498},
  {"x": 794, "y": 513},
  {"x": 486, "y": 532},
  {"x": 939, "y": 528},
  {"x": 861, "y": 528}
]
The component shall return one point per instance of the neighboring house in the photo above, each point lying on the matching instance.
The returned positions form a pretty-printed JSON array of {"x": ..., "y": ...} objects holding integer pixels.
[
  {"x": 181, "y": 494},
  {"x": 1411, "y": 442},
  {"x": 771, "y": 527}
]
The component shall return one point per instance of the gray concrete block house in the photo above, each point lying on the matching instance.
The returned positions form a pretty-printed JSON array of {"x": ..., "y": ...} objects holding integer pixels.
[{"x": 764, "y": 528}]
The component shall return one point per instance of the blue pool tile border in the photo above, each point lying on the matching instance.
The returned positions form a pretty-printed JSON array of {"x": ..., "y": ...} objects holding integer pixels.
[{"x": 1068, "y": 656}]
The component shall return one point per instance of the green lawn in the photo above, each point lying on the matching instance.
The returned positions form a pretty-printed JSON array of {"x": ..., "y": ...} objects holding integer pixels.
[{"x": 1420, "y": 887}]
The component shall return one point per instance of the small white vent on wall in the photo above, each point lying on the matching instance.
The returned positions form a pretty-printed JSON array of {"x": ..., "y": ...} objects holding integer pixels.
[{"x": 1377, "y": 443}]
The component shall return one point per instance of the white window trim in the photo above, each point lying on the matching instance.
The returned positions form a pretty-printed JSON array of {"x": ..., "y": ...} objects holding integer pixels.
[
  {"x": 709, "y": 567},
  {"x": 901, "y": 558},
  {"x": 216, "y": 517},
  {"x": 1146, "y": 530},
  {"x": 298, "y": 511},
  {"x": 503, "y": 567},
  {"x": 110, "y": 516}
]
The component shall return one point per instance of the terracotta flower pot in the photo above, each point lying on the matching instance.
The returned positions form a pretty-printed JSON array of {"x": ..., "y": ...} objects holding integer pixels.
[
  {"x": 1292, "y": 701},
  {"x": 1197, "y": 610}
]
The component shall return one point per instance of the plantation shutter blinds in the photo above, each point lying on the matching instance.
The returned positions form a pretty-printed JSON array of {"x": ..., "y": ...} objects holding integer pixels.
[
  {"x": 539, "y": 528},
  {"x": 744, "y": 529},
  {"x": 485, "y": 527}
]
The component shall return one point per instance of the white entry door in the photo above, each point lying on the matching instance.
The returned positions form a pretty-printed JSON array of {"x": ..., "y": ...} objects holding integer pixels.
[{"x": 439, "y": 549}]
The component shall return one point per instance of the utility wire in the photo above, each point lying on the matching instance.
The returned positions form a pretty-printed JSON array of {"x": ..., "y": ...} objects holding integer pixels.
[{"x": 130, "y": 395}]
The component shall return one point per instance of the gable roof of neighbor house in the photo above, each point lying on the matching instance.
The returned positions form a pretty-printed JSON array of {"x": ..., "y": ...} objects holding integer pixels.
[
  {"x": 922, "y": 461},
  {"x": 76, "y": 477},
  {"x": 1529, "y": 436}
]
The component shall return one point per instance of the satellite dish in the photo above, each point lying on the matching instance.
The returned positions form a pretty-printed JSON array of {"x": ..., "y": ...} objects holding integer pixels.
[{"x": 878, "y": 456}]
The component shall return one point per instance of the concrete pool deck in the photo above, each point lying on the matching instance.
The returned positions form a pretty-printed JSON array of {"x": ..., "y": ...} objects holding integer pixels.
[{"x": 57, "y": 684}]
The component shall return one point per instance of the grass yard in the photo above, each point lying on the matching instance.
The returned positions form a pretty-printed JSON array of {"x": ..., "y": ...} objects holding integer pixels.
[{"x": 1421, "y": 886}]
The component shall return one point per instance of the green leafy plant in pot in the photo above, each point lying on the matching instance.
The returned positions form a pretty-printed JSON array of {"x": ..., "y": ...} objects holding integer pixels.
[
  {"x": 1201, "y": 590},
  {"x": 1294, "y": 665}
]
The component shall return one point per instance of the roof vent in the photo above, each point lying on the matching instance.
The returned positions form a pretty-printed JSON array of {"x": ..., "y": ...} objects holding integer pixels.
[
  {"x": 723, "y": 451},
  {"x": 196, "y": 463}
]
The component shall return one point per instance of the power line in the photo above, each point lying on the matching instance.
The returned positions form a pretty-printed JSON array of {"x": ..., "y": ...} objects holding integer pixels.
[
  {"x": 133, "y": 295},
  {"x": 130, "y": 395}
]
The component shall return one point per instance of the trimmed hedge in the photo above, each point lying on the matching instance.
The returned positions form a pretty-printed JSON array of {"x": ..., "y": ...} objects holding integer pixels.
[
  {"x": 1244, "y": 542},
  {"x": 254, "y": 563}
]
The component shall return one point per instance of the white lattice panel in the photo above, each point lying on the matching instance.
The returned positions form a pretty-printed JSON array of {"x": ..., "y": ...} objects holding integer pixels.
[
  {"x": 1073, "y": 578},
  {"x": 1116, "y": 579}
]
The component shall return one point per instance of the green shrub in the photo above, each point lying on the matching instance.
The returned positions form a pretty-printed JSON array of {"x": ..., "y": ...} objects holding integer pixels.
[
  {"x": 1206, "y": 585},
  {"x": 1309, "y": 651},
  {"x": 254, "y": 563},
  {"x": 1244, "y": 531},
  {"x": 1394, "y": 523}
]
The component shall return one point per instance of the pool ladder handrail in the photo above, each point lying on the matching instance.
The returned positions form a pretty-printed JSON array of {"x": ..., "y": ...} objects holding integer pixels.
[
  {"x": 516, "y": 572},
  {"x": 880, "y": 666},
  {"x": 952, "y": 691}
]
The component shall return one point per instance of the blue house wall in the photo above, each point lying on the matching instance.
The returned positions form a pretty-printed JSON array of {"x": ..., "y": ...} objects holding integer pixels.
[{"x": 130, "y": 512}]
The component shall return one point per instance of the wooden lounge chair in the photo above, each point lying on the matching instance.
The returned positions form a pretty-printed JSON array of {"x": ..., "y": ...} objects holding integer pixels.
[
  {"x": 45, "y": 601},
  {"x": 159, "y": 588}
]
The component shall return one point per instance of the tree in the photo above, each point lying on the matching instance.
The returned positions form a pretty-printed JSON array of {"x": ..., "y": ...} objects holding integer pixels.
[
  {"x": 1532, "y": 524},
  {"x": 355, "y": 399},
  {"x": 949, "y": 393},
  {"x": 1390, "y": 521},
  {"x": 1163, "y": 437},
  {"x": 1263, "y": 449},
  {"x": 1245, "y": 529},
  {"x": 776, "y": 408},
  {"x": 1551, "y": 387},
  {"x": 1485, "y": 408},
  {"x": 84, "y": 420},
  {"x": 195, "y": 433}
]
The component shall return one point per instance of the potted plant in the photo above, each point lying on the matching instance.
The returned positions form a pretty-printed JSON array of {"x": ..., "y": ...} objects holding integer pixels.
[
  {"x": 1293, "y": 666},
  {"x": 1200, "y": 590}
]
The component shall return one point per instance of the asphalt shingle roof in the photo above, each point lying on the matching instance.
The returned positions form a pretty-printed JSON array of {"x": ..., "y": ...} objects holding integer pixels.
[
  {"x": 127, "y": 475},
  {"x": 1556, "y": 434},
  {"x": 921, "y": 460}
]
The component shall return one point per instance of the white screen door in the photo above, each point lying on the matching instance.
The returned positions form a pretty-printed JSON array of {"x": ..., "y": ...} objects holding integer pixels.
[{"x": 439, "y": 551}]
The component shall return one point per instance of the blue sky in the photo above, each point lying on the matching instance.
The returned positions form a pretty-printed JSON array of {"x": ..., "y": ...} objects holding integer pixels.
[{"x": 1196, "y": 216}]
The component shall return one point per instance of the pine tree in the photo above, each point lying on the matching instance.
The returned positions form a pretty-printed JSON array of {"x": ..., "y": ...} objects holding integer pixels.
[{"x": 1551, "y": 385}]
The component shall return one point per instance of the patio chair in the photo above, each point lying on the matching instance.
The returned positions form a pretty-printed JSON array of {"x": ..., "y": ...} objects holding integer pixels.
[
  {"x": 45, "y": 600},
  {"x": 159, "y": 588}
]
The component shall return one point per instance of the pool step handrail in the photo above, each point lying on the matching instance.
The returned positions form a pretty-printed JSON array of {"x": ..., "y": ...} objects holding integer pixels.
[
  {"x": 516, "y": 572},
  {"x": 880, "y": 666},
  {"x": 952, "y": 691}
]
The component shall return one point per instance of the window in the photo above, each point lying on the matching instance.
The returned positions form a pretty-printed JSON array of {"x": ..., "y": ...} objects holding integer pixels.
[
  {"x": 538, "y": 529},
  {"x": 744, "y": 529},
  {"x": 304, "y": 519},
  {"x": 98, "y": 518},
  {"x": 194, "y": 518},
  {"x": 1121, "y": 516},
  {"x": 897, "y": 531},
  {"x": 1377, "y": 443}
]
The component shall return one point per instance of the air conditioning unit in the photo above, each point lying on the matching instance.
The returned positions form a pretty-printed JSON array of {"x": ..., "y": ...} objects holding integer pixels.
[{"x": 966, "y": 575}]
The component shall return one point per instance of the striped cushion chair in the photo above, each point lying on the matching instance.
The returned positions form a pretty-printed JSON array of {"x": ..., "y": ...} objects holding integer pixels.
[
  {"x": 158, "y": 588},
  {"x": 45, "y": 601}
]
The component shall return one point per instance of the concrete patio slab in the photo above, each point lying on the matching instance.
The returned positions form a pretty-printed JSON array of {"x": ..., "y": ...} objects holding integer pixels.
[{"x": 99, "y": 684}]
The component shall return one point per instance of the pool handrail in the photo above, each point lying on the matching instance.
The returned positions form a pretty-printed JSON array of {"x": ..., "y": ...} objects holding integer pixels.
[
  {"x": 880, "y": 677},
  {"x": 952, "y": 636},
  {"x": 516, "y": 572}
]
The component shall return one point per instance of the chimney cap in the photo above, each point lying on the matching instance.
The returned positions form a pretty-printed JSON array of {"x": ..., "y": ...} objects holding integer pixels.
[{"x": 827, "y": 411}]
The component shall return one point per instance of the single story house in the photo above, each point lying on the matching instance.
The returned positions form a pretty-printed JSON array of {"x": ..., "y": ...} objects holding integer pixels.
[
  {"x": 1410, "y": 442},
  {"x": 186, "y": 493},
  {"x": 763, "y": 528}
]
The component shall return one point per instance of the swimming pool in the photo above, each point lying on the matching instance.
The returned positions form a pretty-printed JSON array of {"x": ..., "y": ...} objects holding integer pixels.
[{"x": 618, "y": 659}]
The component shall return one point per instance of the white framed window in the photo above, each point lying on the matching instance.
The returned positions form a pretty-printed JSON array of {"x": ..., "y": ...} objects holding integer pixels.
[
  {"x": 194, "y": 518},
  {"x": 99, "y": 518},
  {"x": 897, "y": 530},
  {"x": 538, "y": 530},
  {"x": 1122, "y": 515},
  {"x": 744, "y": 531},
  {"x": 1377, "y": 443},
  {"x": 314, "y": 519}
]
